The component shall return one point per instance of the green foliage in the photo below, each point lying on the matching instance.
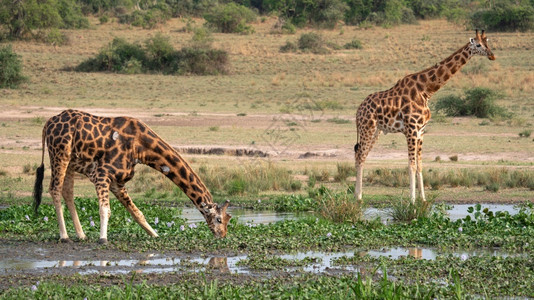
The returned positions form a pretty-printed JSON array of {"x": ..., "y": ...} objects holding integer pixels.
[
  {"x": 354, "y": 44},
  {"x": 405, "y": 210},
  {"x": 478, "y": 102},
  {"x": 21, "y": 18},
  {"x": 10, "y": 68},
  {"x": 320, "y": 13},
  {"x": 156, "y": 55},
  {"x": 289, "y": 47},
  {"x": 338, "y": 207},
  {"x": 505, "y": 16},
  {"x": 295, "y": 203},
  {"x": 56, "y": 37},
  {"x": 312, "y": 42},
  {"x": 149, "y": 18},
  {"x": 230, "y": 18},
  {"x": 100, "y": 6},
  {"x": 202, "y": 61}
]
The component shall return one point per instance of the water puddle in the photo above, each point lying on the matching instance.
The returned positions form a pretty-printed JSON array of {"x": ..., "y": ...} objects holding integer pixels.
[
  {"x": 249, "y": 216},
  {"x": 321, "y": 262},
  {"x": 459, "y": 211},
  {"x": 244, "y": 216}
]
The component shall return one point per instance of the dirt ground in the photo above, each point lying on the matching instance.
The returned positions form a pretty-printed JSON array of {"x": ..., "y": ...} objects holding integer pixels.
[{"x": 296, "y": 151}]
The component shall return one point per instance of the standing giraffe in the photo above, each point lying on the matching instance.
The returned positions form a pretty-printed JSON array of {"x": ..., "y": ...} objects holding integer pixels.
[
  {"x": 404, "y": 108},
  {"x": 106, "y": 150}
]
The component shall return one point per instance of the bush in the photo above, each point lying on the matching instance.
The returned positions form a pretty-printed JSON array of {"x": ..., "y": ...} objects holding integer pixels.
[
  {"x": 21, "y": 18},
  {"x": 230, "y": 18},
  {"x": 157, "y": 55},
  {"x": 312, "y": 42},
  {"x": 202, "y": 61},
  {"x": 114, "y": 57},
  {"x": 354, "y": 44},
  {"x": 57, "y": 38},
  {"x": 504, "y": 17},
  {"x": 327, "y": 13},
  {"x": 150, "y": 18},
  {"x": 478, "y": 102},
  {"x": 10, "y": 68},
  {"x": 289, "y": 47}
]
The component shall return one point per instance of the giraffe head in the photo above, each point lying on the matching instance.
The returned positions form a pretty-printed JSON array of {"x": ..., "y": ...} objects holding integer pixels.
[
  {"x": 217, "y": 218},
  {"x": 479, "y": 45}
]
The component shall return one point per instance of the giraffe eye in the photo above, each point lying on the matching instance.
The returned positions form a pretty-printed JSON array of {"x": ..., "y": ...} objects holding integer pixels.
[
  {"x": 219, "y": 220},
  {"x": 478, "y": 45}
]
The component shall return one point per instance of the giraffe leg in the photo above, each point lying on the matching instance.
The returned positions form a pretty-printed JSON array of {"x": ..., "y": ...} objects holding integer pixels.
[
  {"x": 58, "y": 168},
  {"x": 419, "y": 169},
  {"x": 68, "y": 195},
  {"x": 137, "y": 215},
  {"x": 368, "y": 137},
  {"x": 412, "y": 143},
  {"x": 102, "y": 184}
]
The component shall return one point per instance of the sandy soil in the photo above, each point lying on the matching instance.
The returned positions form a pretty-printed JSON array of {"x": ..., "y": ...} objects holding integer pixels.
[{"x": 296, "y": 151}]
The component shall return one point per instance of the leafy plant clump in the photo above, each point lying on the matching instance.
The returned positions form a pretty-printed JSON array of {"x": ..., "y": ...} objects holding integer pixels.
[
  {"x": 231, "y": 18},
  {"x": 149, "y": 18},
  {"x": 10, "y": 68},
  {"x": 505, "y": 16},
  {"x": 23, "y": 18},
  {"x": 156, "y": 56},
  {"x": 478, "y": 102}
]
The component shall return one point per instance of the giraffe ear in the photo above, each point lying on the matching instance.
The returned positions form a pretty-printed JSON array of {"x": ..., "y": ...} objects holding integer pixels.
[
  {"x": 224, "y": 206},
  {"x": 472, "y": 41}
]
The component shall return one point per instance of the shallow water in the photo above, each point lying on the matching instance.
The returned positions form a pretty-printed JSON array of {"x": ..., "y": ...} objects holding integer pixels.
[
  {"x": 160, "y": 263},
  {"x": 244, "y": 216},
  {"x": 458, "y": 211}
]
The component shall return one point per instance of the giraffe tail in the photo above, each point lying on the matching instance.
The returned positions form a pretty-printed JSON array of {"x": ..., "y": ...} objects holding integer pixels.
[
  {"x": 357, "y": 145},
  {"x": 38, "y": 186}
]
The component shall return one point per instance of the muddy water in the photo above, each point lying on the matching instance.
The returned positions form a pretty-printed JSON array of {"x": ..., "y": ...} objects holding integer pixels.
[
  {"x": 244, "y": 216},
  {"x": 164, "y": 263},
  {"x": 248, "y": 216}
]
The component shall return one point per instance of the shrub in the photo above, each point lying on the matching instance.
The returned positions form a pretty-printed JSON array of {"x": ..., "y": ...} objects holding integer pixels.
[
  {"x": 312, "y": 42},
  {"x": 71, "y": 15},
  {"x": 150, "y": 18},
  {"x": 202, "y": 38},
  {"x": 113, "y": 57},
  {"x": 57, "y": 38},
  {"x": 157, "y": 55},
  {"x": 10, "y": 68},
  {"x": 477, "y": 102},
  {"x": 327, "y": 13},
  {"x": 230, "y": 18},
  {"x": 202, "y": 61},
  {"x": 34, "y": 14},
  {"x": 289, "y": 47},
  {"x": 354, "y": 44},
  {"x": 505, "y": 16}
]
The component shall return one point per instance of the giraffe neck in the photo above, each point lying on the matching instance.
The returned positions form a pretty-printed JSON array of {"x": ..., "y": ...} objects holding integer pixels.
[
  {"x": 432, "y": 79},
  {"x": 162, "y": 157}
]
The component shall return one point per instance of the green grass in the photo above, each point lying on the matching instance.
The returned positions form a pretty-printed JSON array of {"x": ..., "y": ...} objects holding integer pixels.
[{"x": 198, "y": 286}]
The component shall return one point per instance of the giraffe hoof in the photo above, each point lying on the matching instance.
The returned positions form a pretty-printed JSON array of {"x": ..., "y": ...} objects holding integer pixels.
[
  {"x": 67, "y": 241},
  {"x": 103, "y": 241}
]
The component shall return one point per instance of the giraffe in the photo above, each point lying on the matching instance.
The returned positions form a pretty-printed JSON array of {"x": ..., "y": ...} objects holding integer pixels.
[
  {"x": 106, "y": 150},
  {"x": 404, "y": 108}
]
